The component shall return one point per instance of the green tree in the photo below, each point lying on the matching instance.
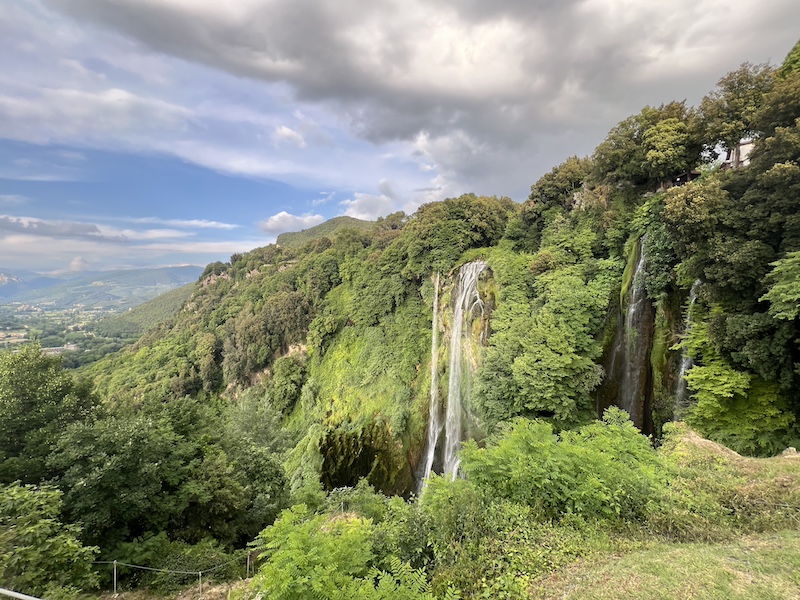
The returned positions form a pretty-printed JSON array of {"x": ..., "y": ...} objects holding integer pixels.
[
  {"x": 666, "y": 146},
  {"x": 739, "y": 410},
  {"x": 781, "y": 105},
  {"x": 791, "y": 63},
  {"x": 784, "y": 292},
  {"x": 622, "y": 156},
  {"x": 38, "y": 400},
  {"x": 557, "y": 187},
  {"x": 39, "y": 555},
  {"x": 729, "y": 111}
]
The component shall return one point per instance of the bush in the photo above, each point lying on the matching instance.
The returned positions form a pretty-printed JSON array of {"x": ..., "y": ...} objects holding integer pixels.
[
  {"x": 39, "y": 554},
  {"x": 182, "y": 559},
  {"x": 604, "y": 470},
  {"x": 312, "y": 556}
]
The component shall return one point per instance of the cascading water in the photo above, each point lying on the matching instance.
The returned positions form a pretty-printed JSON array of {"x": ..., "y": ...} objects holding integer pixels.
[
  {"x": 682, "y": 390},
  {"x": 434, "y": 424},
  {"x": 466, "y": 303},
  {"x": 628, "y": 379},
  {"x": 632, "y": 387}
]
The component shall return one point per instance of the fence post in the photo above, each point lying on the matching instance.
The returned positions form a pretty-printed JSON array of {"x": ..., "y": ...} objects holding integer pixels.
[
  {"x": 115, "y": 578},
  {"x": 200, "y": 578}
]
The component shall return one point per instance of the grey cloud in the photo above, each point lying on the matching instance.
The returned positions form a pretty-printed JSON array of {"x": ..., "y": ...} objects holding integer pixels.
[
  {"x": 498, "y": 74},
  {"x": 56, "y": 229}
]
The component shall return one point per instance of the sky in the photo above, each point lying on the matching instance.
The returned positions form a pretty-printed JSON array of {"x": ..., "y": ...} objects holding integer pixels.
[{"x": 139, "y": 133}]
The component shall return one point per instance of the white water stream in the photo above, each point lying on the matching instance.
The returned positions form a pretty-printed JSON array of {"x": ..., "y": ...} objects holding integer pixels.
[{"x": 466, "y": 303}]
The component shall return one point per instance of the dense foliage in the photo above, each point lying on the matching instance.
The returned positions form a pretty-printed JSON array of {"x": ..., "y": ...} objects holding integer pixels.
[{"x": 288, "y": 397}]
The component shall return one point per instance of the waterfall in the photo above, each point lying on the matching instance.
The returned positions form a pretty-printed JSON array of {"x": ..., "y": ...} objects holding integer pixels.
[
  {"x": 633, "y": 375},
  {"x": 682, "y": 389},
  {"x": 628, "y": 379},
  {"x": 434, "y": 424},
  {"x": 465, "y": 303}
]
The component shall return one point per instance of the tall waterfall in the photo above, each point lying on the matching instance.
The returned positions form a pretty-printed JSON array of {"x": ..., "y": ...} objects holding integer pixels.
[
  {"x": 628, "y": 376},
  {"x": 434, "y": 424},
  {"x": 635, "y": 370},
  {"x": 682, "y": 389},
  {"x": 466, "y": 303}
]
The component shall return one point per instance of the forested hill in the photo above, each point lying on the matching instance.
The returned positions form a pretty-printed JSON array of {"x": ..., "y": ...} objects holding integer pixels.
[
  {"x": 294, "y": 371},
  {"x": 327, "y": 229}
]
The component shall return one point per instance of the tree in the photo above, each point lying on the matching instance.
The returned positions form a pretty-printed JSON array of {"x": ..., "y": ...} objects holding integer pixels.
[
  {"x": 784, "y": 292},
  {"x": 557, "y": 187},
  {"x": 730, "y": 110},
  {"x": 781, "y": 106},
  {"x": 791, "y": 63},
  {"x": 38, "y": 400},
  {"x": 666, "y": 146},
  {"x": 439, "y": 233},
  {"x": 622, "y": 156},
  {"x": 38, "y": 553}
]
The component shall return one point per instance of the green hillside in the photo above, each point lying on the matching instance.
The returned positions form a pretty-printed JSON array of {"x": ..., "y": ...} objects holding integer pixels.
[
  {"x": 135, "y": 321},
  {"x": 483, "y": 399},
  {"x": 327, "y": 229}
]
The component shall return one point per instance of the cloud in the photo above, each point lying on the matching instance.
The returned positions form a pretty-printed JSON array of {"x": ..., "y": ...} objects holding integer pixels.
[
  {"x": 368, "y": 206},
  {"x": 45, "y": 253},
  {"x": 189, "y": 223},
  {"x": 56, "y": 229},
  {"x": 13, "y": 199},
  {"x": 503, "y": 85},
  {"x": 284, "y": 221},
  {"x": 59, "y": 115},
  {"x": 286, "y": 134},
  {"x": 78, "y": 264},
  {"x": 324, "y": 198}
]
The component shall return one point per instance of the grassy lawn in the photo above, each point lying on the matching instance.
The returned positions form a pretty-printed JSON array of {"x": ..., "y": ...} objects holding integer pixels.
[{"x": 757, "y": 567}]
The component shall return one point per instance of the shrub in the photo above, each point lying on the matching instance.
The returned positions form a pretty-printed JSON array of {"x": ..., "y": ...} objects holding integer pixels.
[{"x": 604, "y": 470}]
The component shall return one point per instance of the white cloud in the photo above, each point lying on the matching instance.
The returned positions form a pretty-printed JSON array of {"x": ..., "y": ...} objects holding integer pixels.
[
  {"x": 78, "y": 264},
  {"x": 368, "y": 206},
  {"x": 111, "y": 116},
  {"x": 445, "y": 98},
  {"x": 284, "y": 221},
  {"x": 44, "y": 253},
  {"x": 324, "y": 198},
  {"x": 286, "y": 134},
  {"x": 189, "y": 223},
  {"x": 13, "y": 199}
]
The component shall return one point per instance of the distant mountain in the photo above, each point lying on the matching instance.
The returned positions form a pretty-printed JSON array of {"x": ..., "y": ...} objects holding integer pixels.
[
  {"x": 14, "y": 281},
  {"x": 115, "y": 290},
  {"x": 327, "y": 229}
]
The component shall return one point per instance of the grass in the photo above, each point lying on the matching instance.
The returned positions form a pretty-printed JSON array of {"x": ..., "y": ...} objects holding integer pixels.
[
  {"x": 763, "y": 566},
  {"x": 729, "y": 530}
]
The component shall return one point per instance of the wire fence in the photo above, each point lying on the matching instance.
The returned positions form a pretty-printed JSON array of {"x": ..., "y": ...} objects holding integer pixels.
[{"x": 206, "y": 572}]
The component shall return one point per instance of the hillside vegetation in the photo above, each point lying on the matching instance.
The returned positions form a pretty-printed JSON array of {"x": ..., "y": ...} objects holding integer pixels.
[
  {"x": 137, "y": 320},
  {"x": 327, "y": 229},
  {"x": 286, "y": 405}
]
